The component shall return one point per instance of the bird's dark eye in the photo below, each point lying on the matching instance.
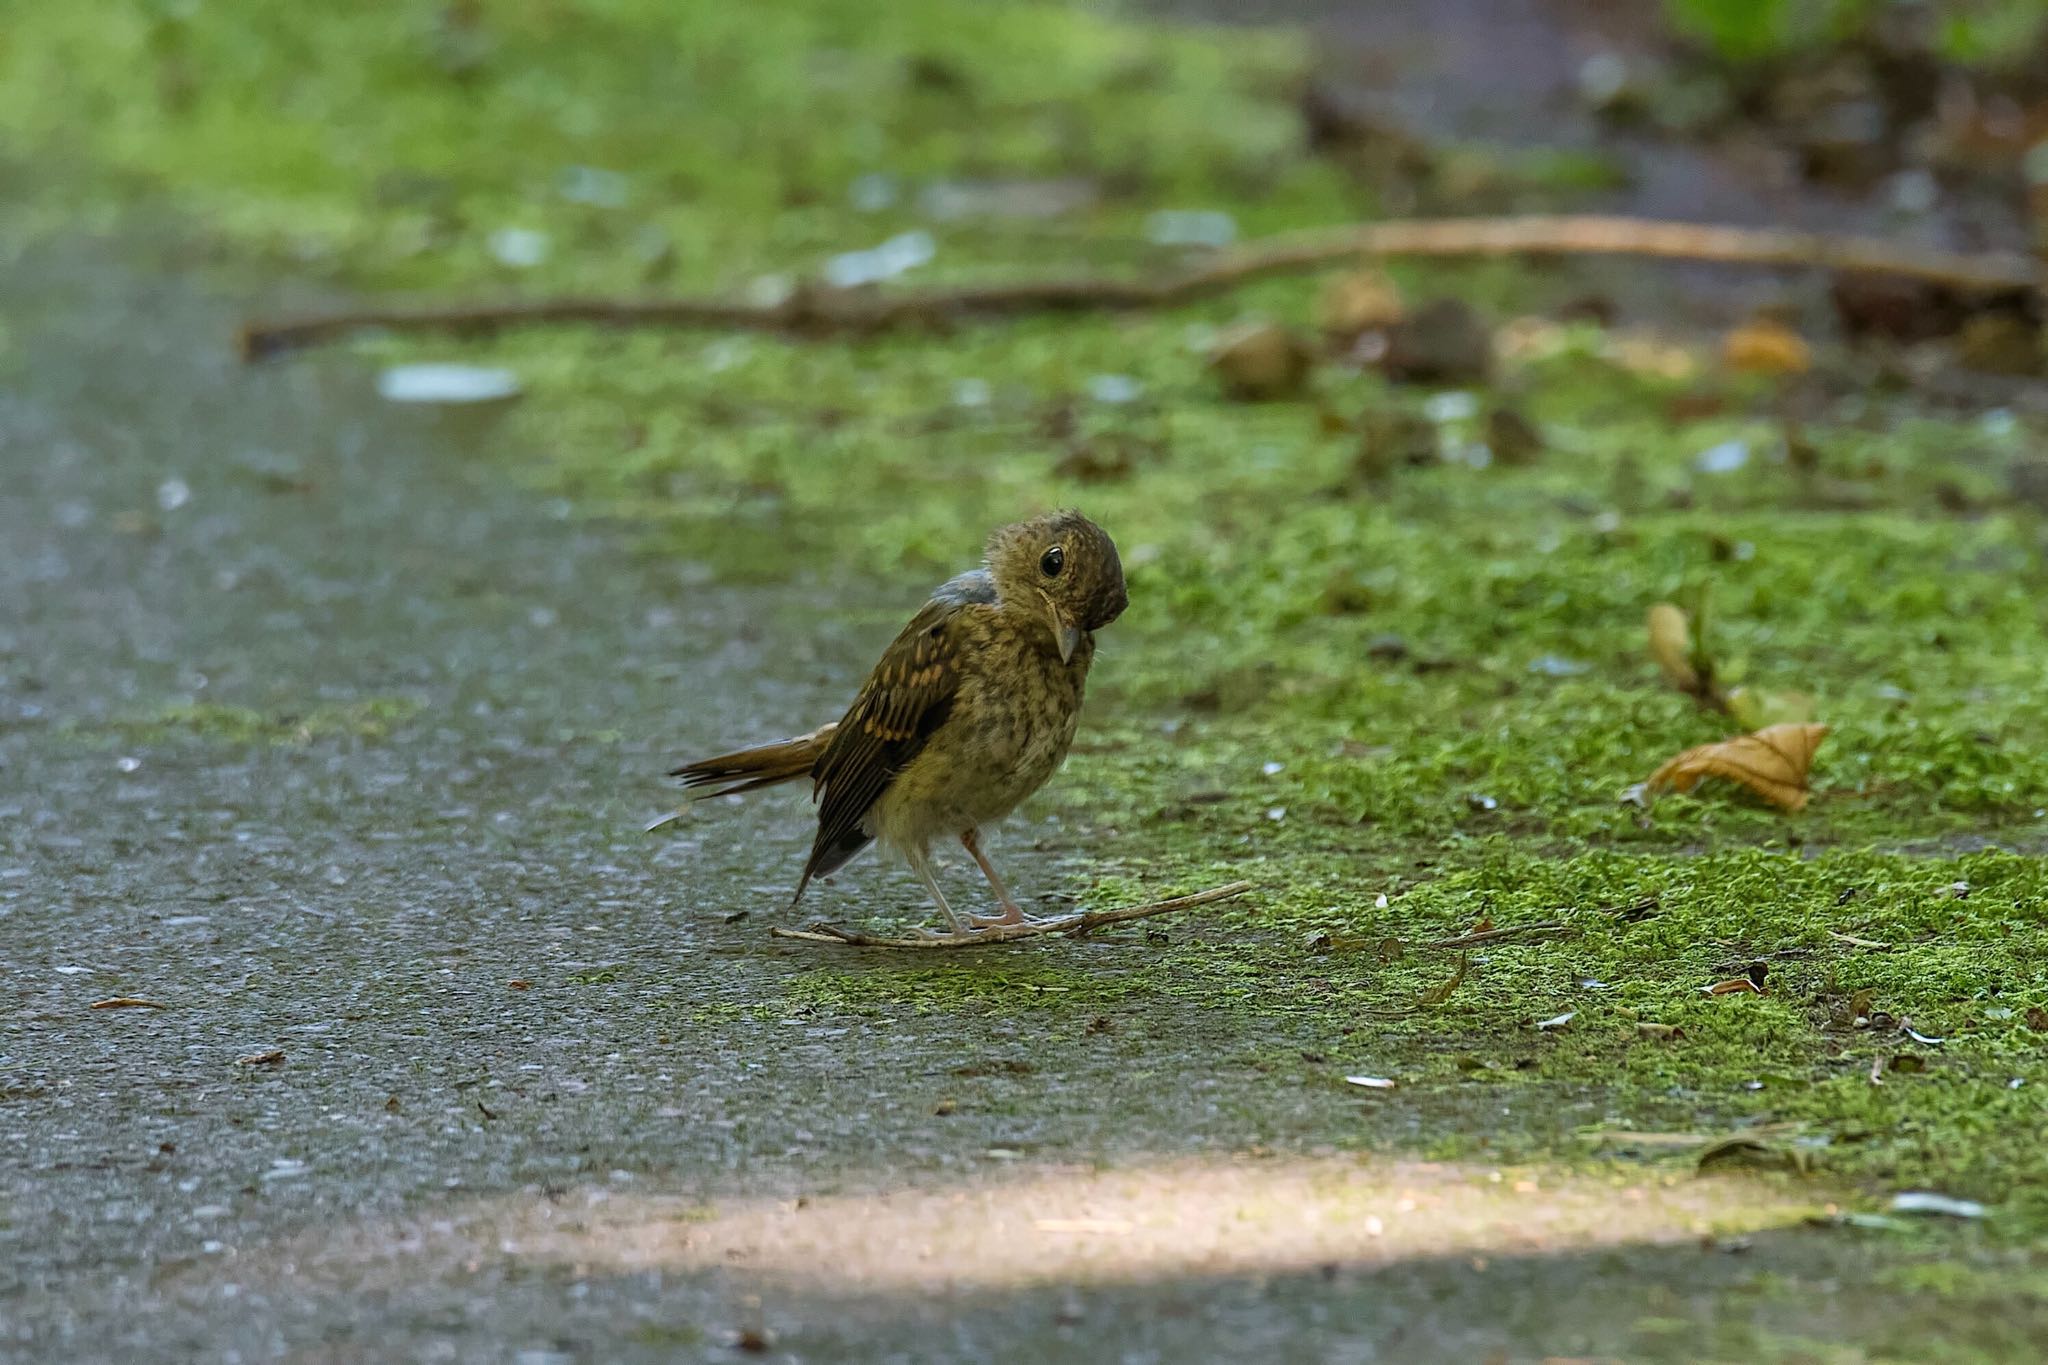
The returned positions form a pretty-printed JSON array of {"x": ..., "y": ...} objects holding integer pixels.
[{"x": 1052, "y": 562}]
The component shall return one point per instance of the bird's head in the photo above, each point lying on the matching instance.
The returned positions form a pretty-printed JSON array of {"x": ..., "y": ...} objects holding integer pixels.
[{"x": 1066, "y": 566}]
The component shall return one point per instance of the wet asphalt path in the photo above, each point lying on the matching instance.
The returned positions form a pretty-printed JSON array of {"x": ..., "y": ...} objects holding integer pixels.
[{"x": 177, "y": 531}]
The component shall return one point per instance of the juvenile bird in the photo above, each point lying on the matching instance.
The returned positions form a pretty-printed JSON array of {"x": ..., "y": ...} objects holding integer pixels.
[{"x": 969, "y": 711}]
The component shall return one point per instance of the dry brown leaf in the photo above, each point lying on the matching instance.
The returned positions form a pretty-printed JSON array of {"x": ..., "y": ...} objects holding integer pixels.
[
  {"x": 1671, "y": 647},
  {"x": 1260, "y": 362},
  {"x": 1360, "y": 302},
  {"x": 1766, "y": 347},
  {"x": 1436, "y": 995},
  {"x": 1734, "y": 985},
  {"x": 1647, "y": 353},
  {"x": 127, "y": 1002},
  {"x": 274, "y": 1057},
  {"x": 1324, "y": 941},
  {"x": 1773, "y": 763}
]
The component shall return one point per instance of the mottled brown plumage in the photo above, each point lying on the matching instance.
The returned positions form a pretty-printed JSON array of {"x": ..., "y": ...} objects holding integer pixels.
[{"x": 968, "y": 712}]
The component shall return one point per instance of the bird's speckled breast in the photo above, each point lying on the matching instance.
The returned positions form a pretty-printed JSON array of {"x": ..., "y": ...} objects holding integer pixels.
[{"x": 1010, "y": 729}]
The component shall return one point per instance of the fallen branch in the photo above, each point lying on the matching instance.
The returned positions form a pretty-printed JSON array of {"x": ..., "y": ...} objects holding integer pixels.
[
  {"x": 817, "y": 310},
  {"x": 1071, "y": 925},
  {"x": 1549, "y": 929}
]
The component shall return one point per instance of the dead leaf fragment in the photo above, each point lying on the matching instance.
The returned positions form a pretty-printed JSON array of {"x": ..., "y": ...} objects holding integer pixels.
[
  {"x": 1436, "y": 995},
  {"x": 2037, "y": 1019},
  {"x": 1557, "y": 1021},
  {"x": 1773, "y": 763},
  {"x": 1671, "y": 646},
  {"x": 1443, "y": 342},
  {"x": 1662, "y": 1032},
  {"x": 1356, "y": 303},
  {"x": 1261, "y": 361},
  {"x": 1999, "y": 343},
  {"x": 1854, "y": 942},
  {"x": 127, "y": 1002},
  {"x": 1766, "y": 347},
  {"x": 274, "y": 1057},
  {"x": 1734, "y": 985},
  {"x": 1370, "y": 1082}
]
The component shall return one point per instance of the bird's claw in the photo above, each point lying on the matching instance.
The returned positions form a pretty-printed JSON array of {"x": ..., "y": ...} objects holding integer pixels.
[{"x": 1010, "y": 917}]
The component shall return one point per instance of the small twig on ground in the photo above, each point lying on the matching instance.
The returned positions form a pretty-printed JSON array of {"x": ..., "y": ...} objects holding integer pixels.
[
  {"x": 127, "y": 1002},
  {"x": 1071, "y": 925},
  {"x": 1548, "y": 929},
  {"x": 816, "y": 310}
]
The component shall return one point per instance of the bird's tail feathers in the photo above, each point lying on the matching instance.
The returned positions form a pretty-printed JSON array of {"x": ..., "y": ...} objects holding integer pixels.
[{"x": 764, "y": 765}]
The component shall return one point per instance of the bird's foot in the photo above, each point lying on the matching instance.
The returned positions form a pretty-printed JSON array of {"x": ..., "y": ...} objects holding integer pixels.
[
  {"x": 1012, "y": 914},
  {"x": 962, "y": 934}
]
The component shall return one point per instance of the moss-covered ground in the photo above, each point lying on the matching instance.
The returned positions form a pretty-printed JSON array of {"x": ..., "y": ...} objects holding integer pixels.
[{"x": 1403, "y": 699}]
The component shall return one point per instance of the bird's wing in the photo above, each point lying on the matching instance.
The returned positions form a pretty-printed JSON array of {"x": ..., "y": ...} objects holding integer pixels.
[{"x": 906, "y": 698}]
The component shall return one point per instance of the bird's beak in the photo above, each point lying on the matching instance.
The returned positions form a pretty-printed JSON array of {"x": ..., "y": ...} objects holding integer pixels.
[{"x": 1064, "y": 632}]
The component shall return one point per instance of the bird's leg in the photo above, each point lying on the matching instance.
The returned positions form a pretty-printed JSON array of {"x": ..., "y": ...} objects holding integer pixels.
[
  {"x": 970, "y": 839},
  {"x": 921, "y": 864}
]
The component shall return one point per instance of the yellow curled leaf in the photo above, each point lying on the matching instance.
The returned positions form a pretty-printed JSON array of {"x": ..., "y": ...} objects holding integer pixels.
[{"x": 1773, "y": 763}]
